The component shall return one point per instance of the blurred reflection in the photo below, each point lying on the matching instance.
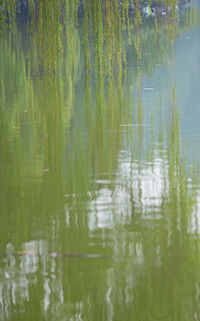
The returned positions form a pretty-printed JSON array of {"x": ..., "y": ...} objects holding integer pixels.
[{"x": 99, "y": 199}]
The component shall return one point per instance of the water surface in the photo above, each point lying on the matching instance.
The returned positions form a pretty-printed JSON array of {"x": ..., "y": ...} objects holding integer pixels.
[{"x": 99, "y": 173}]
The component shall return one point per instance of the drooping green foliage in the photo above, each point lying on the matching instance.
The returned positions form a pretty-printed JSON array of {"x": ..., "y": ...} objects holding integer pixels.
[
  {"x": 7, "y": 13},
  {"x": 105, "y": 21}
]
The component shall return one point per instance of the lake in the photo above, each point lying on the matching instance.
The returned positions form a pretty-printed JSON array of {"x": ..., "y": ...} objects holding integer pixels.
[{"x": 100, "y": 169}]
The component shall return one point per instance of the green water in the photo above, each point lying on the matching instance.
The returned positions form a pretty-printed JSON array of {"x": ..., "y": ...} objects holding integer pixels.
[{"x": 100, "y": 171}]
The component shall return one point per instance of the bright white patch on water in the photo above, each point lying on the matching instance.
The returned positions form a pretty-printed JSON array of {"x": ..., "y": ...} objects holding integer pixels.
[{"x": 141, "y": 187}]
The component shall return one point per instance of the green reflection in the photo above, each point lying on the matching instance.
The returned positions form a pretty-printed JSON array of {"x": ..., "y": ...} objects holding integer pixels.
[{"x": 93, "y": 162}]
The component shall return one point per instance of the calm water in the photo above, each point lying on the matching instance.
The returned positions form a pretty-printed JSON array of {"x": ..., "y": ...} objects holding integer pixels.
[{"x": 100, "y": 175}]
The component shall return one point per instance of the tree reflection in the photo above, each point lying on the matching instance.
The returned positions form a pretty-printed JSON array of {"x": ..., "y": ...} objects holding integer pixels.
[{"x": 87, "y": 168}]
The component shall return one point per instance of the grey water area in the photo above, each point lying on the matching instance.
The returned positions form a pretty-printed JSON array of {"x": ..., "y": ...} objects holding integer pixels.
[{"x": 181, "y": 72}]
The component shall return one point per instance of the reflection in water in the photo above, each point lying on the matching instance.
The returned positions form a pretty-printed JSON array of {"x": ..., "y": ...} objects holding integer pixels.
[{"x": 93, "y": 161}]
